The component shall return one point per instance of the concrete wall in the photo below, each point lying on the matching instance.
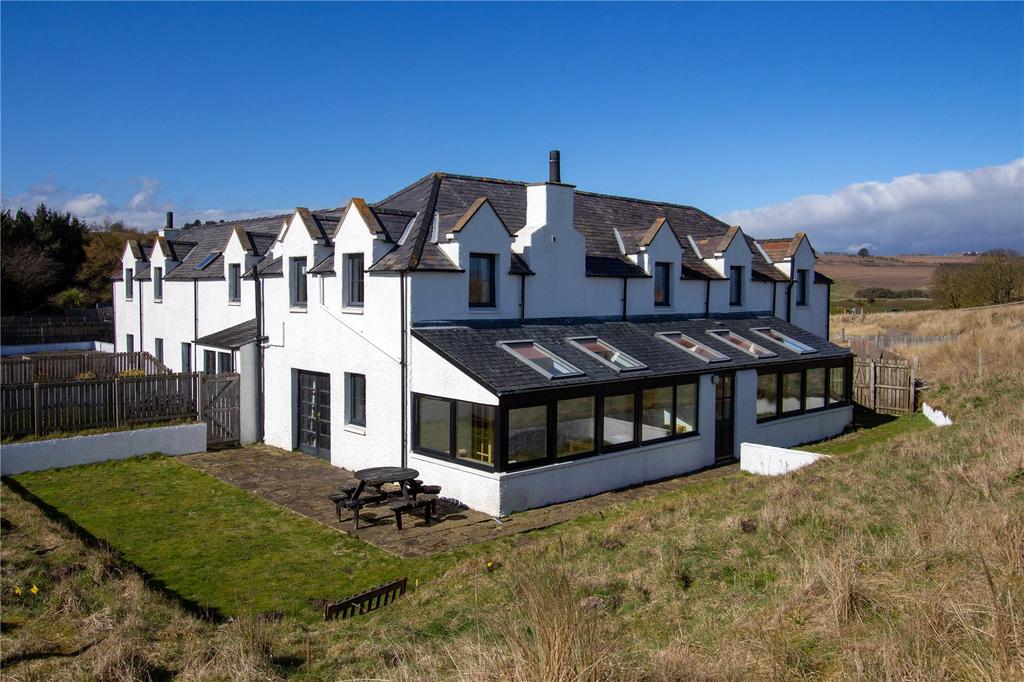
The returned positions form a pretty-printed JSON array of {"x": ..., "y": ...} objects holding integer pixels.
[
  {"x": 57, "y": 453},
  {"x": 770, "y": 461}
]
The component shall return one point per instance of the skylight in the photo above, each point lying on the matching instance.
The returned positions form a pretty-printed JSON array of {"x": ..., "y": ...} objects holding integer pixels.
[
  {"x": 697, "y": 350},
  {"x": 608, "y": 354},
  {"x": 210, "y": 257},
  {"x": 540, "y": 359},
  {"x": 785, "y": 341},
  {"x": 737, "y": 341}
]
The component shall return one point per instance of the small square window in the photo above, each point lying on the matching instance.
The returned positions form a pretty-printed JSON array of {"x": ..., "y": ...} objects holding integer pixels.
[{"x": 355, "y": 399}]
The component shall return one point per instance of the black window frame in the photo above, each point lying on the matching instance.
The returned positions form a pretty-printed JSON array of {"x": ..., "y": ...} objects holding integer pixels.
[
  {"x": 186, "y": 357},
  {"x": 209, "y": 367},
  {"x": 492, "y": 260},
  {"x": 803, "y": 276},
  {"x": 452, "y": 455},
  {"x": 736, "y": 285},
  {"x": 129, "y": 284},
  {"x": 351, "y": 381},
  {"x": 663, "y": 277},
  {"x": 158, "y": 285},
  {"x": 298, "y": 282},
  {"x": 234, "y": 282},
  {"x": 828, "y": 366},
  {"x": 353, "y": 264}
]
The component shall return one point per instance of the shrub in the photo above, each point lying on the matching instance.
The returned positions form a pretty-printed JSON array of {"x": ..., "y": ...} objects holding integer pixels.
[{"x": 128, "y": 373}]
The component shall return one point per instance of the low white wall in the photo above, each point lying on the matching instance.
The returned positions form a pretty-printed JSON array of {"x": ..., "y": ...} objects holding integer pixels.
[
  {"x": 474, "y": 488},
  {"x": 57, "y": 453},
  {"x": 937, "y": 417},
  {"x": 771, "y": 461},
  {"x": 103, "y": 346}
]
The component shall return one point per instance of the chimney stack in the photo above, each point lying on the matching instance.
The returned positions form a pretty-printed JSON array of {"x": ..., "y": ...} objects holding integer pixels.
[
  {"x": 170, "y": 221},
  {"x": 555, "y": 166}
]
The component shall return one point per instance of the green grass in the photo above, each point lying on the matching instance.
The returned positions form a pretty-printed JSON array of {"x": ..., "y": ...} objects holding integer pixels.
[
  {"x": 881, "y": 305},
  {"x": 870, "y": 430},
  {"x": 214, "y": 544}
]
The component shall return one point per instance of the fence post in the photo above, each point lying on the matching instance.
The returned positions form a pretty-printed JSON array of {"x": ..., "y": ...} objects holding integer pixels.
[
  {"x": 200, "y": 395},
  {"x": 913, "y": 385},
  {"x": 118, "y": 402},
  {"x": 36, "y": 410},
  {"x": 871, "y": 383}
]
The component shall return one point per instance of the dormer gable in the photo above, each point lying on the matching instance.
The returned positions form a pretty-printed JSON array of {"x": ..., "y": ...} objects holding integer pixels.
[{"x": 358, "y": 206}]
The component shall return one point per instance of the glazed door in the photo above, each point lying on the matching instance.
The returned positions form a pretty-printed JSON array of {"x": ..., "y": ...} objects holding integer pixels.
[
  {"x": 314, "y": 414},
  {"x": 724, "y": 423}
]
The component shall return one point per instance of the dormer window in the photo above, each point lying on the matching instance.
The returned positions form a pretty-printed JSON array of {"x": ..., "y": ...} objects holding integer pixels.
[
  {"x": 129, "y": 284},
  {"x": 736, "y": 285},
  {"x": 540, "y": 359},
  {"x": 738, "y": 342},
  {"x": 234, "y": 283},
  {"x": 207, "y": 259},
  {"x": 298, "y": 292},
  {"x": 352, "y": 270},
  {"x": 607, "y": 354},
  {"x": 662, "y": 284},
  {"x": 694, "y": 348},
  {"x": 787, "y": 342},
  {"x": 158, "y": 285},
  {"x": 481, "y": 280}
]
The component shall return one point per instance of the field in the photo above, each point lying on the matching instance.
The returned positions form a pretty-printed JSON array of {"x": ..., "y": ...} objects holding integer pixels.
[
  {"x": 892, "y": 272},
  {"x": 902, "y": 557}
]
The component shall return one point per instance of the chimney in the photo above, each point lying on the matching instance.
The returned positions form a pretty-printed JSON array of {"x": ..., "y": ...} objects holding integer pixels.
[
  {"x": 170, "y": 221},
  {"x": 554, "y": 166}
]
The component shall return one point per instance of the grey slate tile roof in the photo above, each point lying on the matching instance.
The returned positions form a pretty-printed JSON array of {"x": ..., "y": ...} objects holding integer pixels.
[
  {"x": 519, "y": 266},
  {"x": 231, "y": 338},
  {"x": 324, "y": 267},
  {"x": 266, "y": 268},
  {"x": 475, "y": 350}
]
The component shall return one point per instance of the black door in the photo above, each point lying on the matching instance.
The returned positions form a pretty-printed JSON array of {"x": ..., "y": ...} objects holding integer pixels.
[
  {"x": 724, "y": 431},
  {"x": 314, "y": 414}
]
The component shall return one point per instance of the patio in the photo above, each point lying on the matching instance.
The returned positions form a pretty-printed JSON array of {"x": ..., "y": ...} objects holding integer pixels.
[{"x": 302, "y": 484}]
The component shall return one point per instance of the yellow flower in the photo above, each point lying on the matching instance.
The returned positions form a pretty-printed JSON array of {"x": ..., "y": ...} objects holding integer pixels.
[
  {"x": 17, "y": 590},
  {"x": 34, "y": 590}
]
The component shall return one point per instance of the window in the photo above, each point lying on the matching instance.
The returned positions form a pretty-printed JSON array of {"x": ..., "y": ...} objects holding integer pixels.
[
  {"x": 481, "y": 280},
  {"x": 697, "y": 350},
  {"x": 186, "y": 357},
  {"x": 209, "y": 362},
  {"x": 129, "y": 342},
  {"x": 736, "y": 285},
  {"x": 545, "y": 362},
  {"x": 815, "y": 398},
  {"x": 656, "y": 414},
  {"x": 836, "y": 385},
  {"x": 527, "y": 434},
  {"x": 792, "y": 386},
  {"x": 224, "y": 363},
  {"x": 767, "y": 396},
  {"x": 686, "y": 409},
  {"x": 158, "y": 284},
  {"x": 352, "y": 269},
  {"x": 433, "y": 425},
  {"x": 298, "y": 283},
  {"x": 474, "y": 431},
  {"x": 129, "y": 284},
  {"x": 207, "y": 259},
  {"x": 606, "y": 353},
  {"x": 662, "y": 284},
  {"x": 785, "y": 341},
  {"x": 355, "y": 399},
  {"x": 737, "y": 341},
  {"x": 574, "y": 426},
  {"x": 234, "y": 282},
  {"x": 158, "y": 349},
  {"x": 619, "y": 417},
  {"x": 802, "y": 279}
]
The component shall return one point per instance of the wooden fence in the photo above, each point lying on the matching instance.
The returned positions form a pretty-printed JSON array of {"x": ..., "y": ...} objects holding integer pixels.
[
  {"x": 89, "y": 324},
  {"x": 886, "y": 385},
  {"x": 62, "y": 366}
]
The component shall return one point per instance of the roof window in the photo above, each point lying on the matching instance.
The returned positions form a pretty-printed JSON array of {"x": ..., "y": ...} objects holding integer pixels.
[
  {"x": 786, "y": 342},
  {"x": 607, "y": 354},
  {"x": 737, "y": 341},
  {"x": 540, "y": 359},
  {"x": 210, "y": 257},
  {"x": 694, "y": 348}
]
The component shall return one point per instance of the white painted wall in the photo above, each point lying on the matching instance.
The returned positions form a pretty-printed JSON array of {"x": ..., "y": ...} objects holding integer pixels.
[
  {"x": 766, "y": 460},
  {"x": 937, "y": 417},
  {"x": 57, "y": 453}
]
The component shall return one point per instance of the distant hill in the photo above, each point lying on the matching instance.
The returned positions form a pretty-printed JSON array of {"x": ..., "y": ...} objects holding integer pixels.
[{"x": 892, "y": 272}]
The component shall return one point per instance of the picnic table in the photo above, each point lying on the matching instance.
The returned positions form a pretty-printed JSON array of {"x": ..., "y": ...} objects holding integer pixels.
[{"x": 376, "y": 477}]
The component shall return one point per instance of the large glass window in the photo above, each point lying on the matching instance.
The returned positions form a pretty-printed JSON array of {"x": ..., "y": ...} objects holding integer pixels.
[
  {"x": 355, "y": 399},
  {"x": 481, "y": 280},
  {"x": 433, "y": 424},
  {"x": 619, "y": 417},
  {"x": 353, "y": 274},
  {"x": 474, "y": 432},
  {"x": 607, "y": 354},
  {"x": 662, "y": 284},
  {"x": 234, "y": 282},
  {"x": 656, "y": 413},
  {"x": 542, "y": 360},
  {"x": 836, "y": 385},
  {"x": 299, "y": 294},
  {"x": 158, "y": 284},
  {"x": 574, "y": 428},
  {"x": 791, "y": 389},
  {"x": 686, "y": 408},
  {"x": 767, "y": 395},
  {"x": 527, "y": 434},
  {"x": 129, "y": 284},
  {"x": 802, "y": 285},
  {"x": 736, "y": 285},
  {"x": 815, "y": 388}
]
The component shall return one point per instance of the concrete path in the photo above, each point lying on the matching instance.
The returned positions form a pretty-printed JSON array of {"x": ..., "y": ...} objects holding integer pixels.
[{"x": 302, "y": 484}]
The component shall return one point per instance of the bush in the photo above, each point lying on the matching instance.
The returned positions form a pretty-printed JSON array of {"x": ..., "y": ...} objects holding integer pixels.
[
  {"x": 128, "y": 373},
  {"x": 82, "y": 376},
  {"x": 883, "y": 292}
]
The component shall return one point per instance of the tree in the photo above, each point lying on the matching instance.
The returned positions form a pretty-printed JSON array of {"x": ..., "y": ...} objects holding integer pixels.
[
  {"x": 70, "y": 299},
  {"x": 46, "y": 238},
  {"x": 999, "y": 277},
  {"x": 949, "y": 284},
  {"x": 103, "y": 251},
  {"x": 27, "y": 274},
  {"x": 863, "y": 253}
]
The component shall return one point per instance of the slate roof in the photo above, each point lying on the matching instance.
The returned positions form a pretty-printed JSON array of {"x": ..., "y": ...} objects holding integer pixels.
[
  {"x": 820, "y": 278},
  {"x": 231, "y": 338},
  {"x": 214, "y": 237},
  {"x": 324, "y": 267},
  {"x": 266, "y": 268},
  {"x": 475, "y": 350}
]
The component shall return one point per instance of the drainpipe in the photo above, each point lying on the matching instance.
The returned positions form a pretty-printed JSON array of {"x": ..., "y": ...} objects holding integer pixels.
[
  {"x": 522, "y": 298},
  {"x": 707, "y": 298},
  {"x": 142, "y": 337},
  {"x": 625, "y": 282},
  {"x": 195, "y": 324},
  {"x": 258, "y": 293},
  {"x": 405, "y": 372}
]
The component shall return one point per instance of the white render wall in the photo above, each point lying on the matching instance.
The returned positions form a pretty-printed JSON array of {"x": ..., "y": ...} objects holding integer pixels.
[{"x": 767, "y": 460}]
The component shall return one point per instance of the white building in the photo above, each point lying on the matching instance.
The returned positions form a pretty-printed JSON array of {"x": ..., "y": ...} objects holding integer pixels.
[{"x": 518, "y": 344}]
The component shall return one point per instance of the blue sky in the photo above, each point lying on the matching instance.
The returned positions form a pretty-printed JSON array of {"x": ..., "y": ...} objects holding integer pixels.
[{"x": 779, "y": 117}]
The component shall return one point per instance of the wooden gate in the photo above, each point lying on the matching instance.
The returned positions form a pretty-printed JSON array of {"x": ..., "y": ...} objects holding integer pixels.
[
  {"x": 884, "y": 385},
  {"x": 219, "y": 396}
]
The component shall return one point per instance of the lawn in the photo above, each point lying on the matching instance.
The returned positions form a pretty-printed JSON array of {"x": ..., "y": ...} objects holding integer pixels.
[{"x": 214, "y": 544}]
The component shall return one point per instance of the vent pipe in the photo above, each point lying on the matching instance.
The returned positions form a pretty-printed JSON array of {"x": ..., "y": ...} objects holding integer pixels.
[{"x": 555, "y": 166}]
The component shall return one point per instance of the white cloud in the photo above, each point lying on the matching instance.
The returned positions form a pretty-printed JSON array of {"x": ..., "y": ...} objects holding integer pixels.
[
  {"x": 86, "y": 204},
  {"x": 143, "y": 195},
  {"x": 935, "y": 213}
]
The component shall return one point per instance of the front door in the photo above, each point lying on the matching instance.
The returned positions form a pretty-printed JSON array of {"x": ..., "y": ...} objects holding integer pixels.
[
  {"x": 724, "y": 431},
  {"x": 314, "y": 414}
]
